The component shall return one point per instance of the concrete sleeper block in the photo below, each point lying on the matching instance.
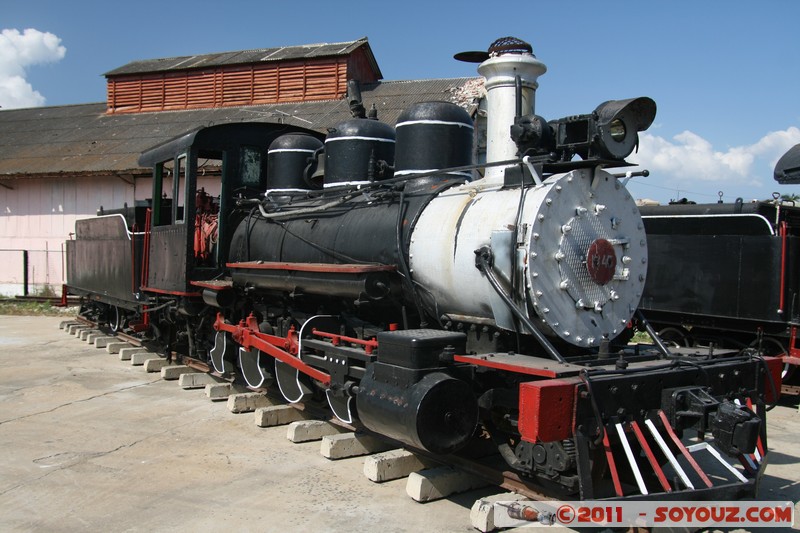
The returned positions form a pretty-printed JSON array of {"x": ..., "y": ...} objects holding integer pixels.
[
  {"x": 394, "y": 464},
  {"x": 345, "y": 445},
  {"x": 218, "y": 391},
  {"x": 222, "y": 390},
  {"x": 247, "y": 402},
  {"x": 81, "y": 330},
  {"x": 126, "y": 353},
  {"x": 277, "y": 415},
  {"x": 115, "y": 347},
  {"x": 102, "y": 342},
  {"x": 311, "y": 430},
  {"x": 173, "y": 372},
  {"x": 84, "y": 335},
  {"x": 139, "y": 358},
  {"x": 439, "y": 483},
  {"x": 92, "y": 337},
  {"x": 155, "y": 365},
  {"x": 481, "y": 515},
  {"x": 198, "y": 380}
]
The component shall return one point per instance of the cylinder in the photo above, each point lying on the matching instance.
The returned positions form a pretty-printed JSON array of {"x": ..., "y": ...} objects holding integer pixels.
[
  {"x": 438, "y": 413},
  {"x": 354, "y": 151},
  {"x": 287, "y": 159},
  {"x": 433, "y": 136}
]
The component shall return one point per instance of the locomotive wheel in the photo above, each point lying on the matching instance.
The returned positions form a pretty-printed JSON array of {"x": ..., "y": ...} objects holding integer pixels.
[
  {"x": 223, "y": 353},
  {"x": 116, "y": 319},
  {"x": 341, "y": 405},
  {"x": 290, "y": 384},
  {"x": 675, "y": 337},
  {"x": 251, "y": 365},
  {"x": 774, "y": 347}
]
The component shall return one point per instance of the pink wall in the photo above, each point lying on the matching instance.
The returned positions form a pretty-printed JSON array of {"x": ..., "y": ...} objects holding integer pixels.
[{"x": 39, "y": 214}]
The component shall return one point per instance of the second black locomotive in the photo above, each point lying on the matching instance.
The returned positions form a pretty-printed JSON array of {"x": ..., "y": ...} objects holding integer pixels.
[{"x": 726, "y": 274}]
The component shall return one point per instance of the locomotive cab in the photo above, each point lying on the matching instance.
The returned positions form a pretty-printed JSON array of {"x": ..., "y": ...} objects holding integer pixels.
[{"x": 197, "y": 180}]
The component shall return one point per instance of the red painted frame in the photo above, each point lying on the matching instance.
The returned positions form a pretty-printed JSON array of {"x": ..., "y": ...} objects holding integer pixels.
[{"x": 284, "y": 349}]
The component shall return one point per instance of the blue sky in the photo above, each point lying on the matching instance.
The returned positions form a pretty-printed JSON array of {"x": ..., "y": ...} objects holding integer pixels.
[{"x": 725, "y": 75}]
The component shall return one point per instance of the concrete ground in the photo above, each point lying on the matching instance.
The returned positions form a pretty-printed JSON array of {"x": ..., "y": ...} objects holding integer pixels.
[{"x": 90, "y": 443}]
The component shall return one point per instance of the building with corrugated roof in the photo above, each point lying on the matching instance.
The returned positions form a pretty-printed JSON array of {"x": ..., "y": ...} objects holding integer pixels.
[{"x": 62, "y": 163}]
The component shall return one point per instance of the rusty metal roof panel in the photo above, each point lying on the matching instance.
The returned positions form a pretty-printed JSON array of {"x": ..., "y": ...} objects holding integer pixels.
[
  {"x": 70, "y": 140},
  {"x": 398, "y": 95},
  {"x": 239, "y": 57}
]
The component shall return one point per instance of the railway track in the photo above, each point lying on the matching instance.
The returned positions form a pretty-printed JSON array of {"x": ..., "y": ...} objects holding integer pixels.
[
  {"x": 471, "y": 472},
  {"x": 52, "y": 300}
]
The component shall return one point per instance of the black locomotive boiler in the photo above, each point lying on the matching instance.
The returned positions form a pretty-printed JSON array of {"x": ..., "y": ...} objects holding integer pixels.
[{"x": 448, "y": 305}]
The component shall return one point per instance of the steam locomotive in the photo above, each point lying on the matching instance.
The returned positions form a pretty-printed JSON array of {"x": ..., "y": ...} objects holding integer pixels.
[
  {"x": 726, "y": 273},
  {"x": 446, "y": 304}
]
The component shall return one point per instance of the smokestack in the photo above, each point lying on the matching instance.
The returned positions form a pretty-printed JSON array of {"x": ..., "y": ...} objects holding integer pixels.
[
  {"x": 506, "y": 59},
  {"x": 506, "y": 62}
]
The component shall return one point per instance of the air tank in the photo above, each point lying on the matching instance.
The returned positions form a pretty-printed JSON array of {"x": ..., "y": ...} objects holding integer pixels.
[
  {"x": 355, "y": 151},
  {"x": 287, "y": 160},
  {"x": 432, "y": 136}
]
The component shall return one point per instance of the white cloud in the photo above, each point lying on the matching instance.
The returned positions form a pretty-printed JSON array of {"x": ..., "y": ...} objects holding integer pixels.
[
  {"x": 688, "y": 158},
  {"x": 18, "y": 51}
]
